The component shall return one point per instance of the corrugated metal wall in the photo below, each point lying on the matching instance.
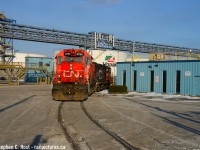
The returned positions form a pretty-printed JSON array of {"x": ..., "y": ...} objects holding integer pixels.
[
  {"x": 36, "y": 62},
  {"x": 189, "y": 76}
]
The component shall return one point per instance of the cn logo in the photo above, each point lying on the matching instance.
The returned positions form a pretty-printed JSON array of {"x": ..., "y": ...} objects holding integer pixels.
[{"x": 68, "y": 73}]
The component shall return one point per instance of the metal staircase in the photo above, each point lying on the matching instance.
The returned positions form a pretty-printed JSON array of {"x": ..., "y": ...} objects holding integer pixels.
[{"x": 15, "y": 71}]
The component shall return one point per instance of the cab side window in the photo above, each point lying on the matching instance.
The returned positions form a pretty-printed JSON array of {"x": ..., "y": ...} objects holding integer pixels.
[
  {"x": 59, "y": 59},
  {"x": 87, "y": 60}
]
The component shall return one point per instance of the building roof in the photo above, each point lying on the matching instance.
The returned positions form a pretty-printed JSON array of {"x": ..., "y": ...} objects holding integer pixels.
[
  {"x": 38, "y": 57},
  {"x": 163, "y": 61}
]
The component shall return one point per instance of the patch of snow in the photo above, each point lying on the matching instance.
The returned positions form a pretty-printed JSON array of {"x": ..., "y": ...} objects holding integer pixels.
[
  {"x": 166, "y": 96},
  {"x": 163, "y": 96},
  {"x": 153, "y": 94},
  {"x": 103, "y": 92}
]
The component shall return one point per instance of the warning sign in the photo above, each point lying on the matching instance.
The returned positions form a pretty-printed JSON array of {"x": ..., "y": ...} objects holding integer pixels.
[
  {"x": 187, "y": 73},
  {"x": 157, "y": 79}
]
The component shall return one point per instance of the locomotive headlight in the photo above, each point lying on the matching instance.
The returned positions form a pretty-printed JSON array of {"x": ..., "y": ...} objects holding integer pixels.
[
  {"x": 67, "y": 54},
  {"x": 58, "y": 77},
  {"x": 79, "y": 54}
]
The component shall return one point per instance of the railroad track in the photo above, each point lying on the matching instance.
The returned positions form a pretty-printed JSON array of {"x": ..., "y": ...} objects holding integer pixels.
[
  {"x": 64, "y": 129},
  {"x": 112, "y": 134},
  {"x": 75, "y": 144}
]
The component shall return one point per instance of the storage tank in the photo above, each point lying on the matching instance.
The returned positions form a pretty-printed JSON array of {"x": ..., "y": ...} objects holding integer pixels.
[
  {"x": 109, "y": 58},
  {"x": 55, "y": 52}
]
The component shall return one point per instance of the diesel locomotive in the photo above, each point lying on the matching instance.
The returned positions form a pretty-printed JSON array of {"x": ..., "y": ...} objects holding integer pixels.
[{"x": 76, "y": 76}]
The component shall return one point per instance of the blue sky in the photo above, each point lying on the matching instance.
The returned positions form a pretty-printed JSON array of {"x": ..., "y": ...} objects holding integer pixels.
[{"x": 171, "y": 22}]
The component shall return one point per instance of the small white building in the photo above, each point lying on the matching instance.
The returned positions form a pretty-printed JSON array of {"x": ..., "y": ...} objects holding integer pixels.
[{"x": 20, "y": 57}]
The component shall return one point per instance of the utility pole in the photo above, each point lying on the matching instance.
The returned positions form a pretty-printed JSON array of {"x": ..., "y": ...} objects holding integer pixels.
[{"x": 131, "y": 71}]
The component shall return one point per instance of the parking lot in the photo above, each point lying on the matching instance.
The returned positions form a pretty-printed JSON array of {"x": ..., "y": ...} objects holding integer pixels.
[{"x": 147, "y": 121}]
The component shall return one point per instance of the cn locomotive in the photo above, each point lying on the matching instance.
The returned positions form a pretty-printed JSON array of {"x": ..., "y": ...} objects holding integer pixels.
[{"x": 76, "y": 76}]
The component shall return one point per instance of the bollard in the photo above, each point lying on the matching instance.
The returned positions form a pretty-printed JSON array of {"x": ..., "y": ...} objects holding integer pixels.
[
  {"x": 49, "y": 80},
  {"x": 37, "y": 80},
  {"x": 18, "y": 80}
]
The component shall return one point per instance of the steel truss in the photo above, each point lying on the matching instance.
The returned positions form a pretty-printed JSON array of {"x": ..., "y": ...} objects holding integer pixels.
[{"x": 92, "y": 40}]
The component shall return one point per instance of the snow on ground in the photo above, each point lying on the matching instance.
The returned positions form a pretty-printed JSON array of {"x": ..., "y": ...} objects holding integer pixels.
[
  {"x": 165, "y": 96},
  {"x": 154, "y": 96},
  {"x": 103, "y": 92}
]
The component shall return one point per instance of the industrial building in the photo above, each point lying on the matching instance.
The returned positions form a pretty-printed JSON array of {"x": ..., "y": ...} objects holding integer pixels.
[
  {"x": 170, "y": 77},
  {"x": 43, "y": 65},
  {"x": 20, "y": 57},
  {"x": 26, "y": 67}
]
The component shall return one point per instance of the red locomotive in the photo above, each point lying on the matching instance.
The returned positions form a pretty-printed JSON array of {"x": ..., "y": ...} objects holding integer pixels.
[{"x": 77, "y": 77}]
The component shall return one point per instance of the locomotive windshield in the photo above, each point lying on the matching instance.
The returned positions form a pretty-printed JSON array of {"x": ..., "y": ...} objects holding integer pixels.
[{"x": 74, "y": 59}]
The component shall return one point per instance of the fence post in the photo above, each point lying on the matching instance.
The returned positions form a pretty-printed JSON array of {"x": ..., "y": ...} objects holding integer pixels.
[{"x": 37, "y": 80}]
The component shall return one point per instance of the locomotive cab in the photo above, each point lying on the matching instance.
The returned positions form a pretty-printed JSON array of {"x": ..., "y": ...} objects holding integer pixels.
[{"x": 71, "y": 67}]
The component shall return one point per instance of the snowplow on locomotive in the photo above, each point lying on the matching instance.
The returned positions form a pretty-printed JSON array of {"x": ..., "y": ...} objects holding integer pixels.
[{"x": 76, "y": 76}]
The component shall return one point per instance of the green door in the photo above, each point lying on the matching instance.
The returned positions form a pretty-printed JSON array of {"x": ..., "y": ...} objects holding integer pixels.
[{"x": 196, "y": 86}]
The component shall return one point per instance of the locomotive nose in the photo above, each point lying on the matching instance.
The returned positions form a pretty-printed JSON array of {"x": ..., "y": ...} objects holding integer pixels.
[{"x": 72, "y": 72}]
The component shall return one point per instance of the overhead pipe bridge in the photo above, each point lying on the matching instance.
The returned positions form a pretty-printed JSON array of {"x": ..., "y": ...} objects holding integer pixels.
[{"x": 92, "y": 40}]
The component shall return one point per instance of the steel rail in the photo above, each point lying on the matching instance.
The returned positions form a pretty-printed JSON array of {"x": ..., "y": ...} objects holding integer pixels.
[
  {"x": 65, "y": 131},
  {"x": 112, "y": 134}
]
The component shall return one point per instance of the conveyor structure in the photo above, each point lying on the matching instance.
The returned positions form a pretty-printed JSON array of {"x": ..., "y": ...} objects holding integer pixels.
[
  {"x": 6, "y": 44},
  {"x": 92, "y": 40}
]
